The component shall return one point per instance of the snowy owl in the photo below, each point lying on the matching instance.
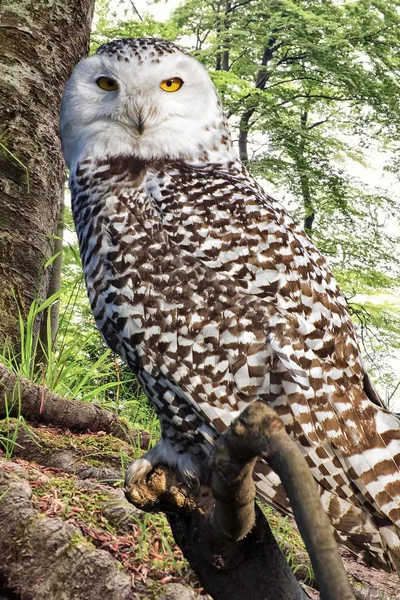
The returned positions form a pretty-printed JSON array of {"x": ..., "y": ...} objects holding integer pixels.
[{"x": 213, "y": 295}]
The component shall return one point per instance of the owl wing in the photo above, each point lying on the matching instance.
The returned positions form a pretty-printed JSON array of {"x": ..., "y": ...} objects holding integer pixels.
[
  {"x": 177, "y": 319},
  {"x": 231, "y": 227},
  {"x": 228, "y": 223}
]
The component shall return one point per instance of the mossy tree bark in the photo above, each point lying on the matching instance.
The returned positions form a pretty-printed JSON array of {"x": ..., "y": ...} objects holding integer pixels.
[{"x": 40, "y": 42}]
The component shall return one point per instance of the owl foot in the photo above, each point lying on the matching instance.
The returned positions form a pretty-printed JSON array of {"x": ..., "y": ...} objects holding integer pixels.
[
  {"x": 155, "y": 482},
  {"x": 139, "y": 469},
  {"x": 161, "y": 490}
]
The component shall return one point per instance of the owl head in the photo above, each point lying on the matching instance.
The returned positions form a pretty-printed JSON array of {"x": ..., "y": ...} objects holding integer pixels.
[{"x": 143, "y": 97}]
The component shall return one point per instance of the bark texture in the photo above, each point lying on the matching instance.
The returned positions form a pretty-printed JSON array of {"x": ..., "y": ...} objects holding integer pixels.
[
  {"x": 40, "y": 42},
  {"x": 252, "y": 567},
  {"x": 259, "y": 432}
]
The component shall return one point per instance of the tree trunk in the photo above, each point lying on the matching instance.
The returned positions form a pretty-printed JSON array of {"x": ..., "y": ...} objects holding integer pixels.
[
  {"x": 260, "y": 83},
  {"x": 221, "y": 28},
  {"x": 301, "y": 165},
  {"x": 40, "y": 42},
  {"x": 46, "y": 337},
  {"x": 244, "y": 127}
]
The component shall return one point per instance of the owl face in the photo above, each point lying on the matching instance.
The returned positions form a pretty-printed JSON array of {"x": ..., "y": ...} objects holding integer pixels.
[{"x": 134, "y": 98}]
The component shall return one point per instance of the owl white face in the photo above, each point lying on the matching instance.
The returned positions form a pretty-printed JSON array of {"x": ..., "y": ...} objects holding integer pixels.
[{"x": 149, "y": 104}]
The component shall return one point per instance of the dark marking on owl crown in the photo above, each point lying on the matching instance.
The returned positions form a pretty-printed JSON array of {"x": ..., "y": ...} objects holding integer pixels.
[{"x": 143, "y": 49}]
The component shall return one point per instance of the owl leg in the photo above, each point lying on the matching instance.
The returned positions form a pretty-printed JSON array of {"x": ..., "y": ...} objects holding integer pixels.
[{"x": 172, "y": 450}]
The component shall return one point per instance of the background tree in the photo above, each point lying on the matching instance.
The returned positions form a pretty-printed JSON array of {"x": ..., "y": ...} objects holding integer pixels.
[{"x": 37, "y": 52}]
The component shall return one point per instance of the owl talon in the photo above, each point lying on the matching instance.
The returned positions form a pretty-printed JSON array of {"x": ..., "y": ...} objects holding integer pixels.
[{"x": 161, "y": 491}]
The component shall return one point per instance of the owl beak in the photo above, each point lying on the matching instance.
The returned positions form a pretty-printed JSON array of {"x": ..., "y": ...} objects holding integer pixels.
[
  {"x": 132, "y": 117},
  {"x": 135, "y": 110},
  {"x": 140, "y": 124}
]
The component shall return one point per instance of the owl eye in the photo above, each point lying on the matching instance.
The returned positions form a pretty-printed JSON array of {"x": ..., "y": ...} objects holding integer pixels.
[
  {"x": 107, "y": 84},
  {"x": 171, "y": 85}
]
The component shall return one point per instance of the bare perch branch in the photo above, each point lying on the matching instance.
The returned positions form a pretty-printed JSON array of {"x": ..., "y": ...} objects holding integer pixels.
[
  {"x": 253, "y": 567},
  {"x": 227, "y": 534},
  {"x": 258, "y": 431}
]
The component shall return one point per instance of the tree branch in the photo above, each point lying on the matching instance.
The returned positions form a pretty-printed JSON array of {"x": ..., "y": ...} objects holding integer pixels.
[
  {"x": 227, "y": 530},
  {"x": 252, "y": 567},
  {"x": 258, "y": 431},
  {"x": 136, "y": 10}
]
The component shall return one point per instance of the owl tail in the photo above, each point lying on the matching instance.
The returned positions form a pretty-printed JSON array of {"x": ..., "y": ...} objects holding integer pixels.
[
  {"x": 375, "y": 471},
  {"x": 354, "y": 528}
]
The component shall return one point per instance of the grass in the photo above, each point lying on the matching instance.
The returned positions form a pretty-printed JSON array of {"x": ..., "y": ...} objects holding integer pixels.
[
  {"x": 76, "y": 364},
  {"x": 290, "y": 543},
  {"x": 59, "y": 371},
  {"x": 9, "y": 434}
]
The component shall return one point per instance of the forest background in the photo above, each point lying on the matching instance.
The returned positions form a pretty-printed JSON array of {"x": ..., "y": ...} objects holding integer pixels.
[{"x": 312, "y": 94}]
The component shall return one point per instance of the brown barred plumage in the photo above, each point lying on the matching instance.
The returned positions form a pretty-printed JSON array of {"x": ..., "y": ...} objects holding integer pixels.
[{"x": 214, "y": 296}]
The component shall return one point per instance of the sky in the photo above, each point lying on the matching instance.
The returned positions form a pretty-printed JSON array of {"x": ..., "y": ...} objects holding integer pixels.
[{"x": 159, "y": 10}]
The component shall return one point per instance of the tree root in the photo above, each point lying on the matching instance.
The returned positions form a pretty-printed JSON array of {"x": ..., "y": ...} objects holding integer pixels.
[
  {"x": 19, "y": 396},
  {"x": 45, "y": 557},
  {"x": 39, "y": 444},
  {"x": 250, "y": 568}
]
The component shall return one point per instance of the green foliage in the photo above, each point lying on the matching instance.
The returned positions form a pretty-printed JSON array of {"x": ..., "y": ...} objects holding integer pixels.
[{"x": 9, "y": 426}]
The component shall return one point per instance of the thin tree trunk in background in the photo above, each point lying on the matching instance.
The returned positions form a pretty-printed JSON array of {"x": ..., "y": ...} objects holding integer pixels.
[
  {"x": 302, "y": 169},
  {"x": 260, "y": 83},
  {"x": 244, "y": 127},
  {"x": 40, "y": 42},
  {"x": 221, "y": 27},
  {"x": 53, "y": 287},
  {"x": 226, "y": 40}
]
